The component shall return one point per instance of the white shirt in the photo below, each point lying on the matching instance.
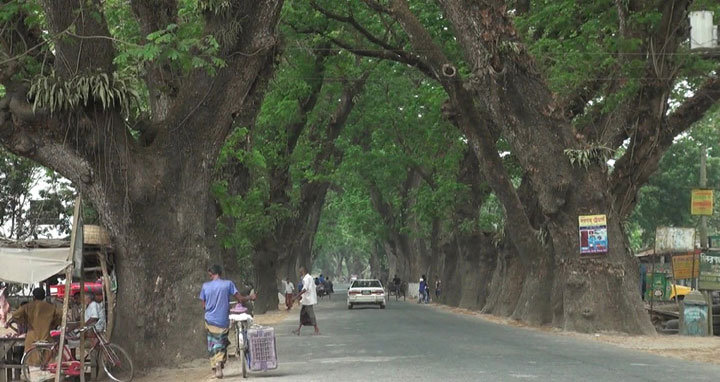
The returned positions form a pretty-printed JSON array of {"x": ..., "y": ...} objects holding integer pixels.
[
  {"x": 288, "y": 287},
  {"x": 309, "y": 297},
  {"x": 95, "y": 310}
]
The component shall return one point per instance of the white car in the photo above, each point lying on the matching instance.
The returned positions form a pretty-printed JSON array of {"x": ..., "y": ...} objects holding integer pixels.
[{"x": 366, "y": 291}]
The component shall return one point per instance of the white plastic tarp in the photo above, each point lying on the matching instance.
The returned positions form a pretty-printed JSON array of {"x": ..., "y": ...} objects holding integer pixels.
[{"x": 32, "y": 265}]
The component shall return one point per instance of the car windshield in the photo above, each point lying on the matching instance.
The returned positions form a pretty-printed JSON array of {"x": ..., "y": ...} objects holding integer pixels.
[{"x": 366, "y": 284}]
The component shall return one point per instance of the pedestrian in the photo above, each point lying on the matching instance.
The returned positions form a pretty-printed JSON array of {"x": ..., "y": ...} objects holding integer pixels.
[
  {"x": 94, "y": 313},
  {"x": 289, "y": 289},
  {"x": 308, "y": 299},
  {"x": 438, "y": 287},
  {"x": 38, "y": 317},
  {"x": 215, "y": 295},
  {"x": 422, "y": 289}
]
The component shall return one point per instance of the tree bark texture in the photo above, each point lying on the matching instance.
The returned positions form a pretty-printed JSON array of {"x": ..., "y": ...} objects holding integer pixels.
[{"x": 151, "y": 187}]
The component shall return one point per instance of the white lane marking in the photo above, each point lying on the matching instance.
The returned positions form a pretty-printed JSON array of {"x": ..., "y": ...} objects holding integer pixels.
[
  {"x": 524, "y": 376},
  {"x": 331, "y": 345},
  {"x": 639, "y": 364}
]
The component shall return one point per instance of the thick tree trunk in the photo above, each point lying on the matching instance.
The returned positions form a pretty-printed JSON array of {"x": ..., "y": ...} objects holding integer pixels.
[
  {"x": 506, "y": 282},
  {"x": 164, "y": 251},
  {"x": 595, "y": 292},
  {"x": 267, "y": 284}
]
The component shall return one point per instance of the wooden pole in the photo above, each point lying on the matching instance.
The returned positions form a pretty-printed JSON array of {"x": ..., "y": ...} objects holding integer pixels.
[
  {"x": 66, "y": 305},
  {"x": 708, "y": 298},
  {"x": 673, "y": 285},
  {"x": 81, "y": 349},
  {"x": 109, "y": 297},
  {"x": 68, "y": 285}
]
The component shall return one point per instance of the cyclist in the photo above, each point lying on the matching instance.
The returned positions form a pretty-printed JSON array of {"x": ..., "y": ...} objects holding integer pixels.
[
  {"x": 215, "y": 296},
  {"x": 396, "y": 284}
]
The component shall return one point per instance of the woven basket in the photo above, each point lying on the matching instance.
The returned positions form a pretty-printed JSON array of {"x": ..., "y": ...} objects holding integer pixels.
[{"x": 96, "y": 235}]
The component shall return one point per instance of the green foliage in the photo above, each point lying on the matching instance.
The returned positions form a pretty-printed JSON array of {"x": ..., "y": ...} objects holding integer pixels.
[
  {"x": 665, "y": 200},
  {"x": 56, "y": 94},
  {"x": 217, "y": 6},
  {"x": 182, "y": 46},
  {"x": 23, "y": 181},
  {"x": 585, "y": 157}
]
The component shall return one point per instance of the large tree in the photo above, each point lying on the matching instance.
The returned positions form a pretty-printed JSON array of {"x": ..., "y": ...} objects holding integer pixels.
[
  {"x": 132, "y": 102},
  {"x": 565, "y": 84}
]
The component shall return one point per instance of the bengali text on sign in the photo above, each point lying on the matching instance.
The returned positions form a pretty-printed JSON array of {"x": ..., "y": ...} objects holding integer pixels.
[{"x": 593, "y": 234}]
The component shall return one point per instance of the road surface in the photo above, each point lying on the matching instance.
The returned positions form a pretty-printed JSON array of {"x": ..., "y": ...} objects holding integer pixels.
[{"x": 411, "y": 342}]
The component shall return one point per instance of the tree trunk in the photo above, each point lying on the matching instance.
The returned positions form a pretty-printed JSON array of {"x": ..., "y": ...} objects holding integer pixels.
[
  {"x": 506, "y": 282},
  {"x": 267, "y": 285},
  {"x": 163, "y": 255},
  {"x": 595, "y": 292}
]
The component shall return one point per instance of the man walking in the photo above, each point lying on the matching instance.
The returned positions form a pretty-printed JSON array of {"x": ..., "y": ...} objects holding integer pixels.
[
  {"x": 289, "y": 289},
  {"x": 215, "y": 296},
  {"x": 308, "y": 299}
]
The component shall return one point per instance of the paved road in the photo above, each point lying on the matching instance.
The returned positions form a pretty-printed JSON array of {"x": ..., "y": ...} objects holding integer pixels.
[{"x": 410, "y": 342}]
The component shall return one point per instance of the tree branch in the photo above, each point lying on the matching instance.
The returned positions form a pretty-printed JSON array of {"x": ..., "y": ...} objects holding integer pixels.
[
  {"x": 693, "y": 109},
  {"x": 357, "y": 26},
  {"x": 476, "y": 125},
  {"x": 162, "y": 85},
  {"x": 386, "y": 51},
  {"x": 235, "y": 92},
  {"x": 76, "y": 55},
  {"x": 642, "y": 158}
]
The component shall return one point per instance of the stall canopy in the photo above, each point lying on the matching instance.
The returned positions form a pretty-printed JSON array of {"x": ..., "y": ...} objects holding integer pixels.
[{"x": 32, "y": 265}]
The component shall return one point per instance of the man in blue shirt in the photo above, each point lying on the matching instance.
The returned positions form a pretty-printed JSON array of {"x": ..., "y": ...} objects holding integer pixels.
[{"x": 215, "y": 296}]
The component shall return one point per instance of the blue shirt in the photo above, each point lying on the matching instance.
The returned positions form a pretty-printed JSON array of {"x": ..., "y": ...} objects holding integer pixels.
[
  {"x": 423, "y": 285},
  {"x": 216, "y": 295}
]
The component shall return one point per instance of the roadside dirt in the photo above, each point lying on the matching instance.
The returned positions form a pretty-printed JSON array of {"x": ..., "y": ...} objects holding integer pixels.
[
  {"x": 199, "y": 370},
  {"x": 699, "y": 349}
]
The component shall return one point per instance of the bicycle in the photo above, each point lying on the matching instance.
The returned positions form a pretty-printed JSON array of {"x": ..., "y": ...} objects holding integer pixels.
[
  {"x": 241, "y": 322},
  {"x": 40, "y": 362}
]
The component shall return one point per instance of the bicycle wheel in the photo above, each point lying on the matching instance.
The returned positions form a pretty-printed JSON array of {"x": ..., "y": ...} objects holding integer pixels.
[
  {"x": 117, "y": 363},
  {"x": 243, "y": 361},
  {"x": 36, "y": 364},
  {"x": 238, "y": 341}
]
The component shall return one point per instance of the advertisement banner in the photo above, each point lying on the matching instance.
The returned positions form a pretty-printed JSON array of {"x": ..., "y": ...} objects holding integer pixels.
[
  {"x": 709, "y": 272},
  {"x": 593, "y": 234},
  {"x": 674, "y": 240},
  {"x": 686, "y": 266},
  {"x": 701, "y": 202}
]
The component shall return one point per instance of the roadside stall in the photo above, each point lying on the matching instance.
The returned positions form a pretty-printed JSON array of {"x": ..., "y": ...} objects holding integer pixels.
[
  {"x": 26, "y": 266},
  {"x": 34, "y": 262}
]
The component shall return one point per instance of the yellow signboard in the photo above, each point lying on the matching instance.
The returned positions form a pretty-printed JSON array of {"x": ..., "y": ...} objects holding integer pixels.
[
  {"x": 686, "y": 266},
  {"x": 701, "y": 202}
]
